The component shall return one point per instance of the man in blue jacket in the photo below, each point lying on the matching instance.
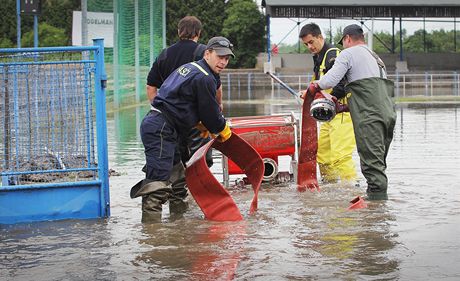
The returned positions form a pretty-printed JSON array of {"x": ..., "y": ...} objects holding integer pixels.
[{"x": 186, "y": 99}]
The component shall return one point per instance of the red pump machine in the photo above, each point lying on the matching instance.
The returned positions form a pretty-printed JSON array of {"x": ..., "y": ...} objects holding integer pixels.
[{"x": 271, "y": 136}]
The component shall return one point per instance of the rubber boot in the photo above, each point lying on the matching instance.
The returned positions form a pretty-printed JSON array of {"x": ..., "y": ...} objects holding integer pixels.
[
  {"x": 154, "y": 194},
  {"x": 376, "y": 194},
  {"x": 177, "y": 202}
]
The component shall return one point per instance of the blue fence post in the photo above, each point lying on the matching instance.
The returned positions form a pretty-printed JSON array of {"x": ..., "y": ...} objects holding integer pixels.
[{"x": 100, "y": 82}]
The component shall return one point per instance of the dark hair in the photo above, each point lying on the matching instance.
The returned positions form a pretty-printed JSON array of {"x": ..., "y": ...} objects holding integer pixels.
[
  {"x": 311, "y": 28},
  {"x": 189, "y": 27},
  {"x": 357, "y": 37}
]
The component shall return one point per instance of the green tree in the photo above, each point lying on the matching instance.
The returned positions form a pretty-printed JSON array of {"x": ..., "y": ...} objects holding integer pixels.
[
  {"x": 209, "y": 12},
  {"x": 245, "y": 28},
  {"x": 56, "y": 13},
  {"x": 6, "y": 43},
  {"x": 59, "y": 13},
  {"x": 48, "y": 36},
  {"x": 383, "y": 42},
  {"x": 416, "y": 44}
]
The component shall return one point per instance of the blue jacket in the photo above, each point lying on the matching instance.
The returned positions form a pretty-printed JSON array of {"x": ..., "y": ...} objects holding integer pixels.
[{"x": 188, "y": 96}]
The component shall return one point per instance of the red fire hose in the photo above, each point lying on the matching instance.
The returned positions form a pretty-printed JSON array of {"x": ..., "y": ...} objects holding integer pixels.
[{"x": 213, "y": 199}]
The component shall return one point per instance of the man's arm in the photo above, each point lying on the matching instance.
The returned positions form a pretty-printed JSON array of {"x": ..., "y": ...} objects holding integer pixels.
[
  {"x": 219, "y": 98},
  {"x": 339, "y": 90},
  {"x": 155, "y": 78},
  {"x": 336, "y": 73},
  {"x": 151, "y": 92}
]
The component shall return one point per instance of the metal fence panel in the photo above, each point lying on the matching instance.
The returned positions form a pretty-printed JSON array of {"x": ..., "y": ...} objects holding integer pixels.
[{"x": 49, "y": 101}]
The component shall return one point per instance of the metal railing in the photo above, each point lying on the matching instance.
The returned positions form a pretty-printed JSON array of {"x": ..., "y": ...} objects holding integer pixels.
[{"x": 429, "y": 84}]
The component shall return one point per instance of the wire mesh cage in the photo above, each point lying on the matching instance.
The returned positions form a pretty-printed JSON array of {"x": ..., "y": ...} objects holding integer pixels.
[
  {"x": 48, "y": 116},
  {"x": 53, "y": 142}
]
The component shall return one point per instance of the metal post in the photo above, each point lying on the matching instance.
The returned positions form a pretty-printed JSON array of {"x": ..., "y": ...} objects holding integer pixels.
[
  {"x": 249, "y": 85},
  {"x": 426, "y": 83},
  {"x": 393, "y": 47},
  {"x": 116, "y": 78},
  {"x": 330, "y": 31},
  {"x": 370, "y": 36},
  {"x": 6, "y": 129},
  {"x": 431, "y": 84},
  {"x": 400, "y": 40},
  {"x": 268, "y": 38},
  {"x": 404, "y": 85},
  {"x": 84, "y": 22},
  {"x": 18, "y": 23},
  {"x": 136, "y": 50},
  {"x": 455, "y": 35},
  {"x": 152, "y": 47},
  {"x": 35, "y": 31},
  {"x": 100, "y": 83},
  {"x": 424, "y": 36},
  {"x": 164, "y": 22}
]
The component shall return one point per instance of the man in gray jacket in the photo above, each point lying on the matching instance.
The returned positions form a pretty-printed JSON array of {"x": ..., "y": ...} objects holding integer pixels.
[{"x": 371, "y": 105}]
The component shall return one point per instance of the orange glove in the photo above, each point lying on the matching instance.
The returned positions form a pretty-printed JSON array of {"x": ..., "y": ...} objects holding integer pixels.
[
  {"x": 225, "y": 134},
  {"x": 204, "y": 133}
]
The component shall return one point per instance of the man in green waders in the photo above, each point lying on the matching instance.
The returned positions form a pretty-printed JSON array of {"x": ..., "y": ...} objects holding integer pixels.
[{"x": 371, "y": 106}]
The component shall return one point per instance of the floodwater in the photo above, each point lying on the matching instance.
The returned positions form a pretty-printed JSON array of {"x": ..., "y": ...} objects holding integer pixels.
[{"x": 294, "y": 236}]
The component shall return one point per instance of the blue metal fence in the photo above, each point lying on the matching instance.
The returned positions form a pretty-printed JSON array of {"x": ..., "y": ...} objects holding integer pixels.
[{"x": 53, "y": 144}]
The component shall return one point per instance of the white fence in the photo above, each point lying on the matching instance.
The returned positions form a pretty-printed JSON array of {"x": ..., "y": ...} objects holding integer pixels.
[{"x": 428, "y": 84}]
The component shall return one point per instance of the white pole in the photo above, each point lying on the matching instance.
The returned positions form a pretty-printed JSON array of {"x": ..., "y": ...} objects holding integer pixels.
[
  {"x": 116, "y": 86},
  {"x": 84, "y": 22},
  {"x": 370, "y": 36},
  {"x": 152, "y": 47},
  {"x": 136, "y": 50},
  {"x": 164, "y": 23}
]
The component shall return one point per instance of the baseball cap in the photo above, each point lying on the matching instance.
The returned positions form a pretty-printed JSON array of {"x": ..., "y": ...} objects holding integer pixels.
[
  {"x": 352, "y": 29},
  {"x": 221, "y": 45}
]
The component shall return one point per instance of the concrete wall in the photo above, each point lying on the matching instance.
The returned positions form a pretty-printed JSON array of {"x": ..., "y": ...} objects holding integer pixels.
[{"x": 415, "y": 62}]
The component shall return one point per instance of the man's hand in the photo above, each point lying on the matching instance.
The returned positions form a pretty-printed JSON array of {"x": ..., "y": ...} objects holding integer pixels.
[
  {"x": 313, "y": 88},
  {"x": 339, "y": 107},
  {"x": 204, "y": 133}
]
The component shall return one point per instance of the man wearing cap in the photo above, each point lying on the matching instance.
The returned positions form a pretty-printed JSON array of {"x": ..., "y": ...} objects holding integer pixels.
[
  {"x": 183, "y": 51},
  {"x": 336, "y": 141},
  {"x": 371, "y": 105},
  {"x": 186, "y": 99}
]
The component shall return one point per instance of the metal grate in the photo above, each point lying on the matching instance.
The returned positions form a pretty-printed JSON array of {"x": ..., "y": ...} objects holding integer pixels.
[{"x": 47, "y": 112}]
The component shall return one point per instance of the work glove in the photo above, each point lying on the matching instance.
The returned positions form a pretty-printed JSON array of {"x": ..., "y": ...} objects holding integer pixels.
[
  {"x": 312, "y": 89},
  {"x": 204, "y": 133},
  {"x": 225, "y": 134}
]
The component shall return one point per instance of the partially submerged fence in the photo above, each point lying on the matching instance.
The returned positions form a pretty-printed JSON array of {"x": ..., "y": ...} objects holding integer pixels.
[{"x": 53, "y": 144}]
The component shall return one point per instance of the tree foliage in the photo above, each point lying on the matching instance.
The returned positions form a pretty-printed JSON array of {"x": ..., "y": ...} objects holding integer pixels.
[
  {"x": 50, "y": 36},
  {"x": 244, "y": 26},
  {"x": 56, "y": 13},
  {"x": 436, "y": 41},
  {"x": 238, "y": 20},
  {"x": 210, "y": 12}
]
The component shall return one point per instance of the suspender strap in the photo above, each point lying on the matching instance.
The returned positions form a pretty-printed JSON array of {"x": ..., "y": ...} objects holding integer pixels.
[{"x": 380, "y": 62}]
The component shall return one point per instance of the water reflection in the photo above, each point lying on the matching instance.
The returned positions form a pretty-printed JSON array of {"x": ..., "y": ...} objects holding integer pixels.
[
  {"x": 202, "y": 251},
  {"x": 293, "y": 236}
]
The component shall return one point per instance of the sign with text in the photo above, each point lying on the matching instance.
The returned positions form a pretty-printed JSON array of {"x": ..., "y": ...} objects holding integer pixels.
[{"x": 100, "y": 25}]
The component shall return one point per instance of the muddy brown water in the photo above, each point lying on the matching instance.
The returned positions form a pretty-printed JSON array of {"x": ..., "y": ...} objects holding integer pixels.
[{"x": 294, "y": 236}]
